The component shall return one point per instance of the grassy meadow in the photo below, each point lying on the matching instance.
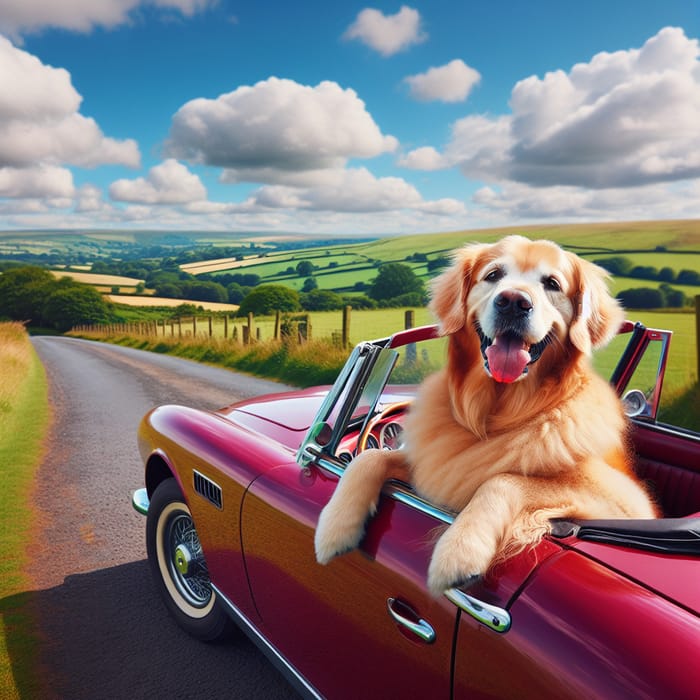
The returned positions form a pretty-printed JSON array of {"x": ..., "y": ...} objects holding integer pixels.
[{"x": 24, "y": 415}]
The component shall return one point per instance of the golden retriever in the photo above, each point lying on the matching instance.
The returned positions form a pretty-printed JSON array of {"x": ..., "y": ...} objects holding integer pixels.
[{"x": 517, "y": 428}]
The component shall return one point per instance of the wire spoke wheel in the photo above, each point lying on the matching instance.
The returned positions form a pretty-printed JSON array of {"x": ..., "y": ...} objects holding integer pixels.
[
  {"x": 179, "y": 568},
  {"x": 186, "y": 560}
]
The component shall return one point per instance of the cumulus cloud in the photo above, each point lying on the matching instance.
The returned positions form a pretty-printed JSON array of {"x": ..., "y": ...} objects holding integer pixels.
[
  {"x": 275, "y": 127},
  {"x": 624, "y": 119},
  {"x": 449, "y": 83},
  {"x": 39, "y": 119},
  {"x": 39, "y": 181},
  {"x": 352, "y": 190},
  {"x": 168, "y": 183},
  {"x": 26, "y": 16},
  {"x": 387, "y": 34}
]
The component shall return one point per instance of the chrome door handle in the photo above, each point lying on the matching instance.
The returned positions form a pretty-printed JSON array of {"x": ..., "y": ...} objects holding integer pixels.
[
  {"x": 422, "y": 629},
  {"x": 492, "y": 616}
]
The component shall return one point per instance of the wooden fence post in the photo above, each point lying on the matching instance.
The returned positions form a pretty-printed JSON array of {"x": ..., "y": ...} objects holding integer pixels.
[
  {"x": 697, "y": 334},
  {"x": 345, "y": 338},
  {"x": 250, "y": 327},
  {"x": 226, "y": 327},
  {"x": 278, "y": 318},
  {"x": 409, "y": 322},
  {"x": 211, "y": 328},
  {"x": 194, "y": 326}
]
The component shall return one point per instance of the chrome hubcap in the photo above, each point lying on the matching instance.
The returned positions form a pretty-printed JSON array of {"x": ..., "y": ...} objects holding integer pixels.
[
  {"x": 182, "y": 559},
  {"x": 186, "y": 563}
]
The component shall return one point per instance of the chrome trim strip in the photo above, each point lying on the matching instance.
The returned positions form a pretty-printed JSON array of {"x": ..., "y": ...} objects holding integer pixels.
[
  {"x": 492, "y": 616},
  {"x": 140, "y": 502},
  {"x": 273, "y": 655},
  {"x": 393, "y": 489}
]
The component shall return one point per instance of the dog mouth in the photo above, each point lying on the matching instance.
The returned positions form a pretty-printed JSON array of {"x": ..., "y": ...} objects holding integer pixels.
[{"x": 508, "y": 356}]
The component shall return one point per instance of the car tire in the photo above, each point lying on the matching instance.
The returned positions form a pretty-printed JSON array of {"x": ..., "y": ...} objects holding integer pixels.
[{"x": 178, "y": 566}]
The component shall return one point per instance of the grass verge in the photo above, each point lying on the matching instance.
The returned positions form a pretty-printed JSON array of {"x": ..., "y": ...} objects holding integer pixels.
[
  {"x": 24, "y": 416},
  {"x": 308, "y": 364}
]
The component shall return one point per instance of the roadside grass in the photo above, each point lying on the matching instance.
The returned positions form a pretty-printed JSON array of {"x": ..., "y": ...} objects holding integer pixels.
[
  {"x": 309, "y": 364},
  {"x": 24, "y": 416}
]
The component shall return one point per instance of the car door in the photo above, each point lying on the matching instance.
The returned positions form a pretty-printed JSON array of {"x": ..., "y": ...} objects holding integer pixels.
[{"x": 364, "y": 625}]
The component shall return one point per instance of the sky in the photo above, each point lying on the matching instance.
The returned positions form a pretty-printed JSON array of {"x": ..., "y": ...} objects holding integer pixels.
[{"x": 344, "y": 117}]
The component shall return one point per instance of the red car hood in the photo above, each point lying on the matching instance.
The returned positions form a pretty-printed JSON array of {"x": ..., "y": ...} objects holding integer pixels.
[{"x": 284, "y": 417}]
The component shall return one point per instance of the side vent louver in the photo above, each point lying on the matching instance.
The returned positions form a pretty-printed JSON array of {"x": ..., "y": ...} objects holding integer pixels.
[{"x": 208, "y": 489}]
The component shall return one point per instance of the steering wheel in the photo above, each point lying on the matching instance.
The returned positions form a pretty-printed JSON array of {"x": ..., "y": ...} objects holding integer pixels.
[{"x": 385, "y": 413}]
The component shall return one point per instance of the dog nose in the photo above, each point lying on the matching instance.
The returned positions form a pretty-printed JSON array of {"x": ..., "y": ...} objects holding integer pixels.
[{"x": 513, "y": 303}]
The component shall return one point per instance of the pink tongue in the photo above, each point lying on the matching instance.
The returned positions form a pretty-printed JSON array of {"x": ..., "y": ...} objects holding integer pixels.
[{"x": 507, "y": 358}]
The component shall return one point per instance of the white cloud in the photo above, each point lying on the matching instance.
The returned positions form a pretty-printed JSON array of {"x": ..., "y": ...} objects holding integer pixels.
[
  {"x": 354, "y": 190},
  {"x": 518, "y": 202},
  {"x": 39, "y": 119},
  {"x": 40, "y": 181},
  {"x": 168, "y": 183},
  {"x": 622, "y": 120},
  {"x": 424, "y": 158},
  {"x": 449, "y": 83},
  {"x": 276, "y": 127},
  {"x": 89, "y": 199},
  {"x": 387, "y": 34},
  {"x": 19, "y": 17}
]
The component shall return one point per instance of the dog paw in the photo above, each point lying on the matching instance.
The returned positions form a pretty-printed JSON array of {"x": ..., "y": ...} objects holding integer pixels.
[
  {"x": 336, "y": 533},
  {"x": 456, "y": 562}
]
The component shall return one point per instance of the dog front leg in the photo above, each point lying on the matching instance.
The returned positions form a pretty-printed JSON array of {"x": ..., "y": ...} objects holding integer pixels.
[
  {"x": 497, "y": 514},
  {"x": 341, "y": 524}
]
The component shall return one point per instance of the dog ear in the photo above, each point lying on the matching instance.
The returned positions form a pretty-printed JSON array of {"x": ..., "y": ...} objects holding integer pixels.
[
  {"x": 448, "y": 291},
  {"x": 597, "y": 315}
]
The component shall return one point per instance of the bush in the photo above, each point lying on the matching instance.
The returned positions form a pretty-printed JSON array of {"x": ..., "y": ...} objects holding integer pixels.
[
  {"x": 322, "y": 300},
  {"x": 269, "y": 298},
  {"x": 617, "y": 265}
]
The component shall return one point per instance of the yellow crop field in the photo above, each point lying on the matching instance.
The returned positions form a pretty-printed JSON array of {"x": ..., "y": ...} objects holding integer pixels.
[
  {"x": 218, "y": 264},
  {"x": 134, "y": 300},
  {"x": 98, "y": 280}
]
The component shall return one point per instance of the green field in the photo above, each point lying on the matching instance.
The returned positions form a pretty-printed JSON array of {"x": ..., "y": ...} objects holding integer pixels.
[{"x": 674, "y": 244}]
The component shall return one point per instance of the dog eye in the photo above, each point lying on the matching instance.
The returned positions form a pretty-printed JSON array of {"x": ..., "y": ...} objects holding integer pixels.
[
  {"x": 551, "y": 284},
  {"x": 495, "y": 275}
]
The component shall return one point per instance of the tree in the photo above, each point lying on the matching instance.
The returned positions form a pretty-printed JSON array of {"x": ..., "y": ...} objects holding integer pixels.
[
  {"x": 641, "y": 298},
  {"x": 305, "y": 268},
  {"x": 205, "y": 291},
  {"x": 688, "y": 277},
  {"x": 236, "y": 293},
  {"x": 617, "y": 265},
  {"x": 393, "y": 280},
  {"x": 74, "y": 304},
  {"x": 23, "y": 291},
  {"x": 667, "y": 274},
  {"x": 269, "y": 298},
  {"x": 309, "y": 284}
]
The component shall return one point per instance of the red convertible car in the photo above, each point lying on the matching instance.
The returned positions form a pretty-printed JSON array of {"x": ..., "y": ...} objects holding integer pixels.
[{"x": 601, "y": 609}]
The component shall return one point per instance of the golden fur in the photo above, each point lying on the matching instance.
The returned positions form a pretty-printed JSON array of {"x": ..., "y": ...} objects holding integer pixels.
[{"x": 507, "y": 455}]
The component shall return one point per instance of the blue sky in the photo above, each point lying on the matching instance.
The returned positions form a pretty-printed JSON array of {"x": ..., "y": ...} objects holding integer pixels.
[{"x": 346, "y": 117}]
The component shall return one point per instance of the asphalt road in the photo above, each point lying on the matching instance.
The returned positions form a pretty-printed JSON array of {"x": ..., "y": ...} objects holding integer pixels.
[{"x": 104, "y": 631}]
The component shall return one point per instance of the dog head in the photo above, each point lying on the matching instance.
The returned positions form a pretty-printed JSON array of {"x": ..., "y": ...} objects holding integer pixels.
[{"x": 519, "y": 297}]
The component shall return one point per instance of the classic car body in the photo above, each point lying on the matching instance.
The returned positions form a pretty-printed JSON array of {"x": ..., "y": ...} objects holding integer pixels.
[{"x": 600, "y": 609}]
